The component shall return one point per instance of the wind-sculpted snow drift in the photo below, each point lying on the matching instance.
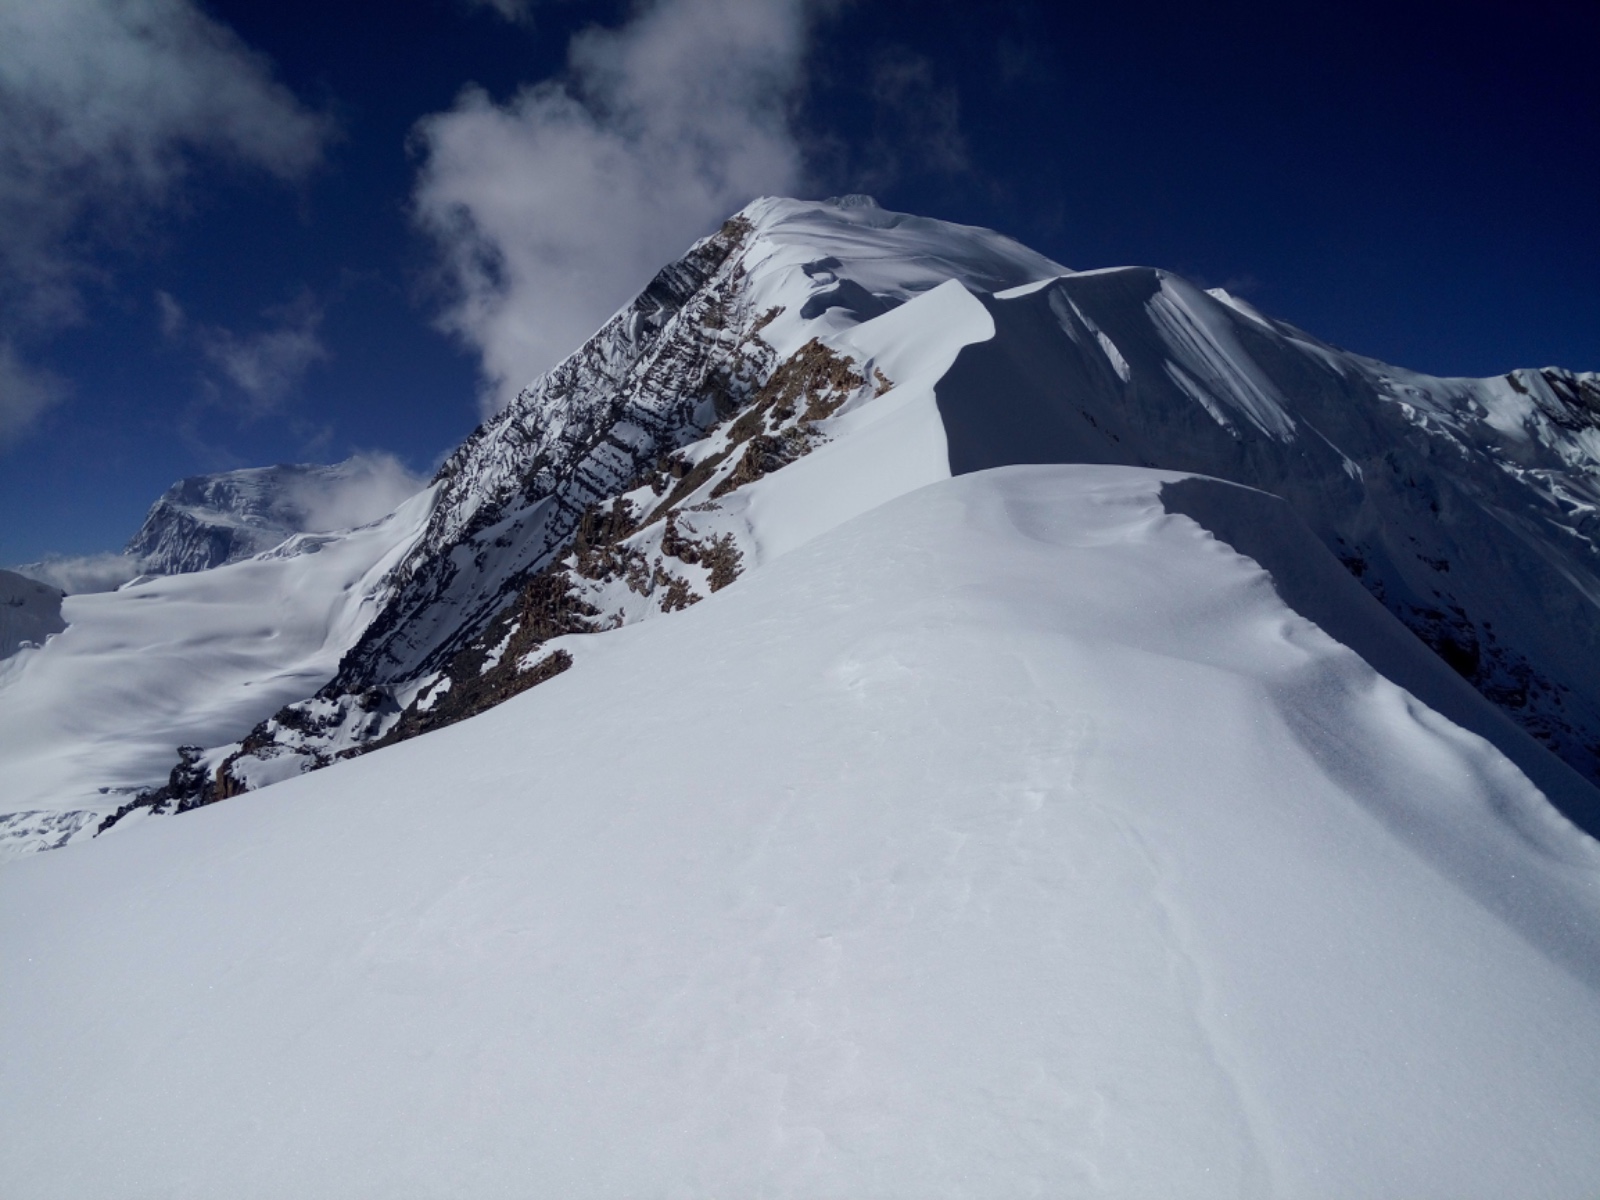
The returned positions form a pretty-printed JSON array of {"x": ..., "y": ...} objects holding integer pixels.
[{"x": 1468, "y": 507}]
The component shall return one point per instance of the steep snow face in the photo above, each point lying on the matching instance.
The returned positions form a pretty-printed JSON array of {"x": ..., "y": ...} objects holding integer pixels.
[
  {"x": 1470, "y": 508},
  {"x": 29, "y": 612},
  {"x": 1011, "y": 839},
  {"x": 208, "y": 520},
  {"x": 189, "y": 659}
]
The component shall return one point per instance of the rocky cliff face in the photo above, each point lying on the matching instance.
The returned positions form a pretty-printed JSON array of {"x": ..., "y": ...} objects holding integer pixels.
[
  {"x": 611, "y": 489},
  {"x": 685, "y": 355}
]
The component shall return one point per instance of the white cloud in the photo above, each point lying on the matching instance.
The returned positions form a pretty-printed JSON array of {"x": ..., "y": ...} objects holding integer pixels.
[
  {"x": 511, "y": 10},
  {"x": 76, "y": 575},
  {"x": 25, "y": 392},
  {"x": 103, "y": 106},
  {"x": 358, "y": 491},
  {"x": 171, "y": 313},
  {"x": 268, "y": 364},
  {"x": 551, "y": 210}
]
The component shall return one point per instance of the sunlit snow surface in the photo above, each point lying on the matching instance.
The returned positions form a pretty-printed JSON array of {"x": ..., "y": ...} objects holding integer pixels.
[{"x": 1012, "y": 839}]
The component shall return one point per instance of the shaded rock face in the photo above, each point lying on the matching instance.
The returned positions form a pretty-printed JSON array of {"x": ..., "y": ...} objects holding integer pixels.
[
  {"x": 682, "y": 357},
  {"x": 29, "y": 612}
]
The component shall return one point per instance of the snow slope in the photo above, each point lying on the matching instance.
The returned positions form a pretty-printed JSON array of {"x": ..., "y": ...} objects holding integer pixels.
[
  {"x": 188, "y": 659},
  {"x": 1011, "y": 839}
]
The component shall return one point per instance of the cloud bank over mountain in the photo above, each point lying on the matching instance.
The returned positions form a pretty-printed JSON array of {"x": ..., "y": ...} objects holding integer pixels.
[
  {"x": 206, "y": 520},
  {"x": 551, "y": 209}
]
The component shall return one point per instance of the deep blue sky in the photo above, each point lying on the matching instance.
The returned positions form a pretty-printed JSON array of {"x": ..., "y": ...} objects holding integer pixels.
[{"x": 1419, "y": 183}]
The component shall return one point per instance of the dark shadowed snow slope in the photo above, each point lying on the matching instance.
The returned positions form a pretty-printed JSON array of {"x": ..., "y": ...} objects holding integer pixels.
[
  {"x": 1011, "y": 839},
  {"x": 1316, "y": 586},
  {"x": 1468, "y": 507},
  {"x": 29, "y": 612}
]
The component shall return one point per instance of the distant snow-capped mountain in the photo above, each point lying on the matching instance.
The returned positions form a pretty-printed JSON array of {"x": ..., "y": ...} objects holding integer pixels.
[
  {"x": 208, "y": 520},
  {"x": 1105, "y": 741}
]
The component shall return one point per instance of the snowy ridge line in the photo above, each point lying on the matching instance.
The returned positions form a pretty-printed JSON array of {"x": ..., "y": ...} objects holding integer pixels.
[
  {"x": 643, "y": 399},
  {"x": 661, "y": 461}
]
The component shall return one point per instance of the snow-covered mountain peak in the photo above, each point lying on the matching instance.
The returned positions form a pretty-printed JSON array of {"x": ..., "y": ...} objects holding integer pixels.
[
  {"x": 207, "y": 520},
  {"x": 811, "y": 360},
  {"x": 887, "y": 253}
]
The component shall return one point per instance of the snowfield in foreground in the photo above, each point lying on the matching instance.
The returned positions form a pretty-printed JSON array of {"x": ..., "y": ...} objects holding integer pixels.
[{"x": 1011, "y": 839}]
